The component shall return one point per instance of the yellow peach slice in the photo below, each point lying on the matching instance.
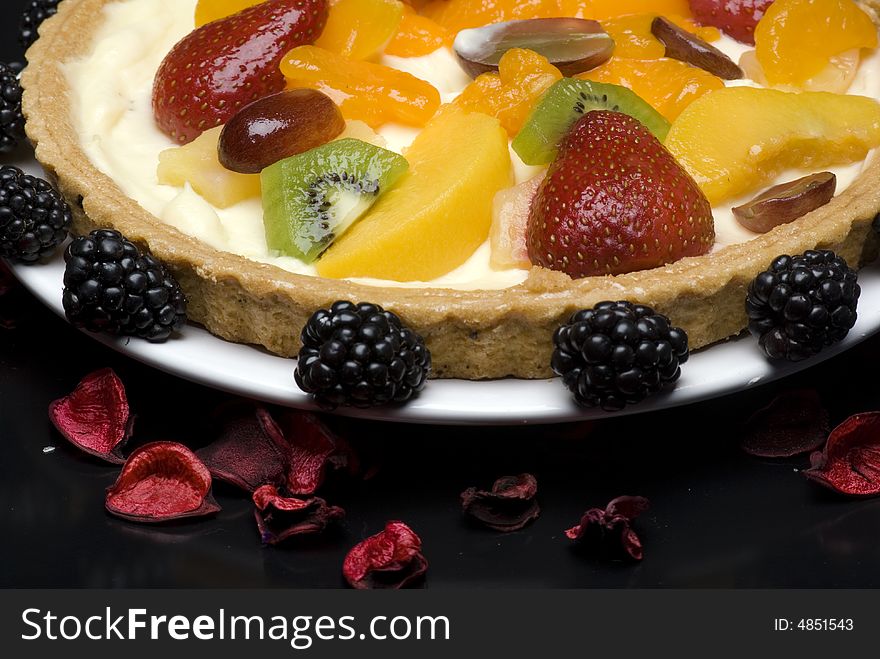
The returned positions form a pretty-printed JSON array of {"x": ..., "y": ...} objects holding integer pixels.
[
  {"x": 440, "y": 212},
  {"x": 740, "y": 139}
]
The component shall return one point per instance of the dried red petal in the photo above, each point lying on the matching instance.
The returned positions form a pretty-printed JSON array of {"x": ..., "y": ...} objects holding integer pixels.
[
  {"x": 279, "y": 517},
  {"x": 245, "y": 454},
  {"x": 310, "y": 447},
  {"x": 509, "y": 506},
  {"x": 627, "y": 506},
  {"x": 95, "y": 416},
  {"x": 609, "y": 532},
  {"x": 254, "y": 450},
  {"x": 390, "y": 559},
  {"x": 632, "y": 544},
  {"x": 850, "y": 462},
  {"x": 159, "y": 482},
  {"x": 794, "y": 422},
  {"x": 591, "y": 521},
  {"x": 267, "y": 496}
]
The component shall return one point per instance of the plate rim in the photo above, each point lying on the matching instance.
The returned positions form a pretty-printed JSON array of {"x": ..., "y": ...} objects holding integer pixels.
[{"x": 433, "y": 405}]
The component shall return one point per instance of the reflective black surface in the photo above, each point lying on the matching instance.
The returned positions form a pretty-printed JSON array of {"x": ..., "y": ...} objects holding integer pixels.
[{"x": 719, "y": 517}]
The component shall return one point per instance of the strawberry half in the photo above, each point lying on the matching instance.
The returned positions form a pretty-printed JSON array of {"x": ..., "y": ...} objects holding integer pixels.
[
  {"x": 616, "y": 201},
  {"x": 736, "y": 18},
  {"x": 220, "y": 67}
]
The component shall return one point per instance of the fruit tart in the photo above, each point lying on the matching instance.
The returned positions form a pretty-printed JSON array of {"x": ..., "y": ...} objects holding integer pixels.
[{"x": 482, "y": 169}]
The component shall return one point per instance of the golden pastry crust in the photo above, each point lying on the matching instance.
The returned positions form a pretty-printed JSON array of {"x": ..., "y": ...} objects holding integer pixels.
[{"x": 471, "y": 334}]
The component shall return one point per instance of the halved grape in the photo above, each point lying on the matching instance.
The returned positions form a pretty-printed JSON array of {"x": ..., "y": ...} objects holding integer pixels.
[
  {"x": 573, "y": 45},
  {"x": 277, "y": 127},
  {"x": 786, "y": 202}
]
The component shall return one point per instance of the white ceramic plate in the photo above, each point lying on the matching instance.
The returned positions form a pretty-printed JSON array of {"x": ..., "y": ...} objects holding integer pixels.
[{"x": 248, "y": 371}]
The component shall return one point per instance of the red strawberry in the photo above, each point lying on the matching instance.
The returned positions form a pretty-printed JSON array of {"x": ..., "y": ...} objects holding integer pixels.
[
  {"x": 736, "y": 18},
  {"x": 220, "y": 67},
  {"x": 615, "y": 201}
]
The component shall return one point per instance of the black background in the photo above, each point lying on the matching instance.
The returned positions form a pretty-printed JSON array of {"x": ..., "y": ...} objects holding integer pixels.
[{"x": 719, "y": 517}]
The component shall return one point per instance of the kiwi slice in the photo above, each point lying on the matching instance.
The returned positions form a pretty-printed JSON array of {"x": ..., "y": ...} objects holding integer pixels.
[
  {"x": 566, "y": 102},
  {"x": 312, "y": 198}
]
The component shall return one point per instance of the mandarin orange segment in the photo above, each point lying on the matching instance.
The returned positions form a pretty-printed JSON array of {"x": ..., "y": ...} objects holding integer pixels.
[
  {"x": 599, "y": 9},
  {"x": 509, "y": 95},
  {"x": 668, "y": 85},
  {"x": 457, "y": 15},
  {"x": 359, "y": 29},
  {"x": 633, "y": 38},
  {"x": 208, "y": 11},
  {"x": 573, "y": 8},
  {"x": 797, "y": 39},
  {"x": 836, "y": 77},
  {"x": 372, "y": 93},
  {"x": 417, "y": 35}
]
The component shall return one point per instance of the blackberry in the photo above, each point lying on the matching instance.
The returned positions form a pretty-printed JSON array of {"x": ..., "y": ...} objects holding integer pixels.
[
  {"x": 11, "y": 117},
  {"x": 360, "y": 355},
  {"x": 33, "y": 216},
  {"x": 618, "y": 353},
  {"x": 111, "y": 286},
  {"x": 802, "y": 304},
  {"x": 33, "y": 16}
]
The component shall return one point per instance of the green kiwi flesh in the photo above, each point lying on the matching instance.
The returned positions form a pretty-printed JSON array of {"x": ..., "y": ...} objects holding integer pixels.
[
  {"x": 312, "y": 198},
  {"x": 566, "y": 102}
]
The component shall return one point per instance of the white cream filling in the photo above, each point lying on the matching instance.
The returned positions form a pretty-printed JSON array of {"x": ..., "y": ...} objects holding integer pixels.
[{"x": 112, "y": 89}]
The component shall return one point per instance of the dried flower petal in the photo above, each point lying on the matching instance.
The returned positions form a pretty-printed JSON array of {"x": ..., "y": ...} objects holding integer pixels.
[
  {"x": 509, "y": 506},
  {"x": 254, "y": 450},
  {"x": 850, "y": 462},
  {"x": 279, "y": 517},
  {"x": 609, "y": 532},
  {"x": 310, "y": 447},
  {"x": 95, "y": 416},
  {"x": 390, "y": 559},
  {"x": 245, "y": 454},
  {"x": 161, "y": 481},
  {"x": 794, "y": 422},
  {"x": 628, "y": 507}
]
